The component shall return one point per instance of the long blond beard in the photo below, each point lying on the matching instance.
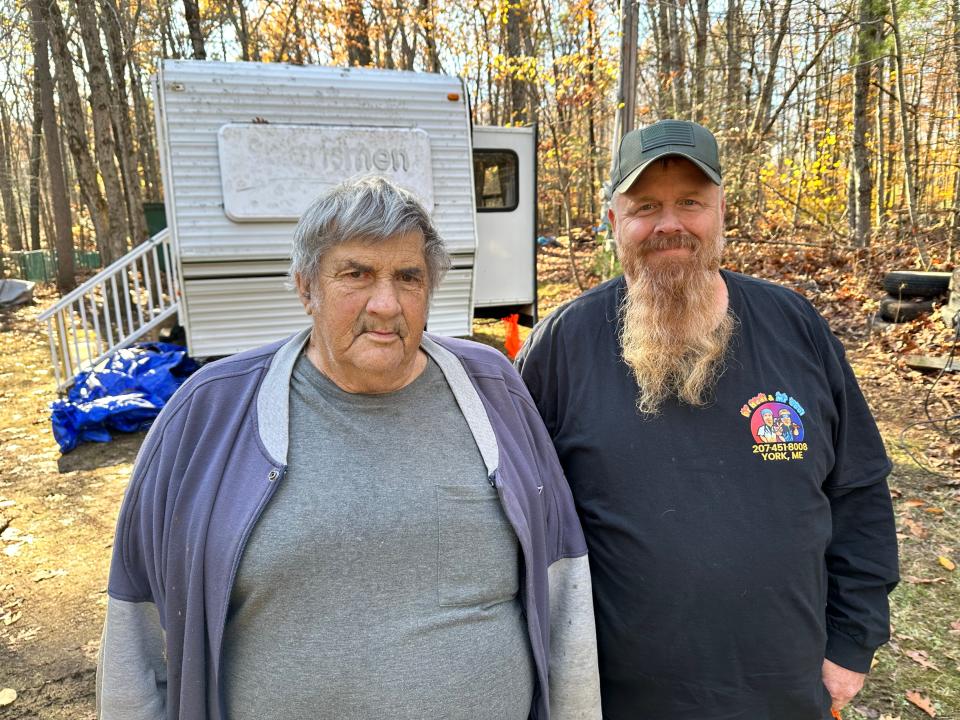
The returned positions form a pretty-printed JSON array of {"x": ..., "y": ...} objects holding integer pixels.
[{"x": 669, "y": 333}]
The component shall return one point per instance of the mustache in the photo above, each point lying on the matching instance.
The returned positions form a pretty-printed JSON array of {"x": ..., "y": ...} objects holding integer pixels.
[
  {"x": 669, "y": 242},
  {"x": 370, "y": 325}
]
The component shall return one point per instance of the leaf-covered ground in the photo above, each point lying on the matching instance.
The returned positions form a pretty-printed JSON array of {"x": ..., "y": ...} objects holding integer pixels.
[{"x": 57, "y": 514}]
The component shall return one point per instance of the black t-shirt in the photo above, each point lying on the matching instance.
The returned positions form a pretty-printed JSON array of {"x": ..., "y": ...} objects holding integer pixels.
[{"x": 708, "y": 528}]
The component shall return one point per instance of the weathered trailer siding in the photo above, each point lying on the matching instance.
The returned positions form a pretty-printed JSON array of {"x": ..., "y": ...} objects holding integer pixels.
[
  {"x": 200, "y": 98},
  {"x": 233, "y": 295}
]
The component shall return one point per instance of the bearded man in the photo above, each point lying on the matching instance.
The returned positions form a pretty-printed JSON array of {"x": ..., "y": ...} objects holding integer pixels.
[{"x": 733, "y": 579}]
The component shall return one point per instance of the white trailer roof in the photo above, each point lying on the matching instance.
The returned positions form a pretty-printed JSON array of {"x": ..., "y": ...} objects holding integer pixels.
[{"x": 197, "y": 100}]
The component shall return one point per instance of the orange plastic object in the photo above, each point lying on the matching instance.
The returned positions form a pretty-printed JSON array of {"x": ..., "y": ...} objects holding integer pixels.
[
  {"x": 836, "y": 714},
  {"x": 512, "y": 343}
]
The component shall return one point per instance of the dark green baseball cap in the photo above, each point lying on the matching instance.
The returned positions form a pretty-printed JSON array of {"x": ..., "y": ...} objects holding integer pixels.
[{"x": 667, "y": 138}]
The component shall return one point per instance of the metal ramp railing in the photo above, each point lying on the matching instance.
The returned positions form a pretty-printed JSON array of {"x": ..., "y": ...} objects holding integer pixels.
[{"x": 113, "y": 309}]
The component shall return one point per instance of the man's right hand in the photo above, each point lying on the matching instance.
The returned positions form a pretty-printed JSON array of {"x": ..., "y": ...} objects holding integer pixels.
[{"x": 842, "y": 684}]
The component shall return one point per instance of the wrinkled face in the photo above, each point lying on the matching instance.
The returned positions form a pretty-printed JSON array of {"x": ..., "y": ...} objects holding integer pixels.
[
  {"x": 369, "y": 307},
  {"x": 672, "y": 214}
]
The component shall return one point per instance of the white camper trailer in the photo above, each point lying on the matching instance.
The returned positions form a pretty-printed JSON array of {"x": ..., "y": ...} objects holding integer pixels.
[{"x": 245, "y": 147}]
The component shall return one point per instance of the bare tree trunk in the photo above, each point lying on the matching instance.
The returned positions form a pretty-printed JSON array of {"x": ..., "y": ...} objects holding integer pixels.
[
  {"x": 146, "y": 146},
  {"x": 10, "y": 205},
  {"x": 627, "y": 90},
  {"x": 58, "y": 187},
  {"x": 664, "y": 59},
  {"x": 299, "y": 41},
  {"x": 408, "y": 49},
  {"x": 762, "y": 109},
  {"x": 72, "y": 115},
  {"x": 243, "y": 29},
  {"x": 732, "y": 64},
  {"x": 563, "y": 180},
  {"x": 426, "y": 21},
  {"x": 563, "y": 174},
  {"x": 869, "y": 37},
  {"x": 595, "y": 174},
  {"x": 126, "y": 154},
  {"x": 733, "y": 139},
  {"x": 892, "y": 130},
  {"x": 36, "y": 152},
  {"x": 358, "y": 34},
  {"x": 105, "y": 146},
  {"x": 49, "y": 234},
  {"x": 518, "y": 25},
  {"x": 700, "y": 60},
  {"x": 905, "y": 134},
  {"x": 192, "y": 12},
  {"x": 167, "y": 39},
  {"x": 881, "y": 151},
  {"x": 677, "y": 69},
  {"x": 955, "y": 236},
  {"x": 287, "y": 36}
]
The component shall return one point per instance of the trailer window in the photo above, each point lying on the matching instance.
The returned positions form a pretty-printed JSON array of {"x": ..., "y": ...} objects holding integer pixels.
[{"x": 495, "y": 180}]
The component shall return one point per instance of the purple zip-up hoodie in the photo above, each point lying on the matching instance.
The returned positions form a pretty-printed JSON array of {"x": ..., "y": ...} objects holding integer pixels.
[{"x": 207, "y": 470}]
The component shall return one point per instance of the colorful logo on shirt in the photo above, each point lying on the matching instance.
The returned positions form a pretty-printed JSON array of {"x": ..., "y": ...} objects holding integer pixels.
[{"x": 776, "y": 426}]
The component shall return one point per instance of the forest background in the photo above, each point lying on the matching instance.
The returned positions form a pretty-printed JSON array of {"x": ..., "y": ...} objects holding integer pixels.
[
  {"x": 839, "y": 122},
  {"x": 839, "y": 126}
]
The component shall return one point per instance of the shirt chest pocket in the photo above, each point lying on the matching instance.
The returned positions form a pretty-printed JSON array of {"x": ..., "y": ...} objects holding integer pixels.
[{"x": 478, "y": 554}]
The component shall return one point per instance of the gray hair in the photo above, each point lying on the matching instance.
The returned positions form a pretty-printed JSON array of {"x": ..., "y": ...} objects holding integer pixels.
[{"x": 370, "y": 209}]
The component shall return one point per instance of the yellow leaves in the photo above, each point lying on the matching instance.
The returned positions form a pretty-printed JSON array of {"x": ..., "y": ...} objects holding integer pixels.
[
  {"x": 947, "y": 563},
  {"x": 818, "y": 183}
]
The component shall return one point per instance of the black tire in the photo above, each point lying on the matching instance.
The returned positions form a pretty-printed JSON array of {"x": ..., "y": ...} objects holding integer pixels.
[
  {"x": 898, "y": 311},
  {"x": 914, "y": 283}
]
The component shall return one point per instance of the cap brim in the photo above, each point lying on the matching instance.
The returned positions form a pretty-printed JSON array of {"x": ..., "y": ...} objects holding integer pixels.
[{"x": 630, "y": 179}]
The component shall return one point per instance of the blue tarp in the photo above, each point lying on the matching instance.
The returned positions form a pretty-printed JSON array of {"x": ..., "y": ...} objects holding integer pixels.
[{"x": 124, "y": 393}]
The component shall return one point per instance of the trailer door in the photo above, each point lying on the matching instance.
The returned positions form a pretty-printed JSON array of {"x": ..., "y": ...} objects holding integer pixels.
[{"x": 504, "y": 174}]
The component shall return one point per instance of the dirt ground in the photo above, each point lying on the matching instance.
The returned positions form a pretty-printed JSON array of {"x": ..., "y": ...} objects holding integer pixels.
[{"x": 57, "y": 516}]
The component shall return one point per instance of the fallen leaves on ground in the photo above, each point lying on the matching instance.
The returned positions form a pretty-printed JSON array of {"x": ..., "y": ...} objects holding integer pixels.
[
  {"x": 922, "y": 702},
  {"x": 7, "y": 696},
  {"x": 915, "y": 528},
  {"x": 923, "y": 581},
  {"x": 40, "y": 575},
  {"x": 921, "y": 659},
  {"x": 947, "y": 563}
]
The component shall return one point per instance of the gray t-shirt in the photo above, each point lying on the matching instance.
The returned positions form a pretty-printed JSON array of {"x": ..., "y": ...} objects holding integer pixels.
[{"x": 381, "y": 581}]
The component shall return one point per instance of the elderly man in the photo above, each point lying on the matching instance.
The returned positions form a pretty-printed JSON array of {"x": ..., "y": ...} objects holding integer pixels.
[
  {"x": 362, "y": 521},
  {"x": 733, "y": 578}
]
